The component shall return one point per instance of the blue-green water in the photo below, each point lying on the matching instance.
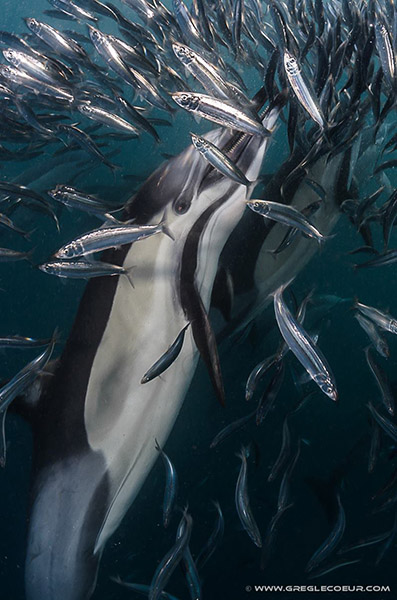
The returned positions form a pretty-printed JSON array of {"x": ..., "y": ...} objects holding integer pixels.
[{"x": 334, "y": 436}]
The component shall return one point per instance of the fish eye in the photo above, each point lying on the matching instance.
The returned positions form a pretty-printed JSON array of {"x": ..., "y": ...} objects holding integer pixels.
[
  {"x": 181, "y": 205},
  {"x": 185, "y": 99}
]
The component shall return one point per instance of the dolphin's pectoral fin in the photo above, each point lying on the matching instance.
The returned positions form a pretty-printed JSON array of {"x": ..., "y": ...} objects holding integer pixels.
[{"x": 204, "y": 338}]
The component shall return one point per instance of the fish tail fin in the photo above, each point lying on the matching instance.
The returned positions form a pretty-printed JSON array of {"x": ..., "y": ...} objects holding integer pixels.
[
  {"x": 354, "y": 306},
  {"x": 28, "y": 235},
  {"x": 282, "y": 287},
  {"x": 326, "y": 238},
  {"x": 29, "y": 256},
  {"x": 127, "y": 273},
  {"x": 110, "y": 220},
  {"x": 244, "y": 452},
  {"x": 165, "y": 229}
]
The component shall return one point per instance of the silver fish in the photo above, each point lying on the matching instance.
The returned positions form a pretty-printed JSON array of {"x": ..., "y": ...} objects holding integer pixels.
[
  {"x": 385, "y": 51},
  {"x": 142, "y": 589},
  {"x": 17, "y": 341},
  {"x": 333, "y": 567},
  {"x": 20, "y": 78},
  {"x": 70, "y": 8},
  {"x": 242, "y": 501},
  {"x": 257, "y": 373},
  {"x": 284, "y": 452},
  {"x": 203, "y": 71},
  {"x": 9, "y": 255},
  {"x": 388, "y": 426},
  {"x": 363, "y": 543},
  {"x": 166, "y": 359},
  {"x": 372, "y": 332},
  {"x": 219, "y": 160},
  {"x": 302, "y": 88},
  {"x": 191, "y": 573},
  {"x": 231, "y": 428},
  {"x": 109, "y": 53},
  {"x": 220, "y": 111},
  {"x": 213, "y": 541},
  {"x": 300, "y": 343},
  {"x": 18, "y": 385},
  {"x": 382, "y": 382},
  {"x": 106, "y": 118},
  {"x": 186, "y": 23},
  {"x": 109, "y": 237},
  {"x": 381, "y": 319},
  {"x": 74, "y": 198},
  {"x": 84, "y": 269},
  {"x": 171, "y": 560},
  {"x": 56, "y": 40},
  {"x": 329, "y": 545},
  {"x": 288, "y": 215},
  {"x": 24, "y": 377},
  {"x": 171, "y": 486},
  {"x": 35, "y": 67}
]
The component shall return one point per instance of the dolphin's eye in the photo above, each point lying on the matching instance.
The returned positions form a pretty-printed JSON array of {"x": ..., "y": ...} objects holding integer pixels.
[{"x": 181, "y": 205}]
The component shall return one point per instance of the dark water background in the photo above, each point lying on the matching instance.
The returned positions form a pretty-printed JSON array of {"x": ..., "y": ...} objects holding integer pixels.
[{"x": 33, "y": 304}]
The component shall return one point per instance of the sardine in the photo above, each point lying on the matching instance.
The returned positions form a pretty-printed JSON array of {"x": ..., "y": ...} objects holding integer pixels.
[
  {"x": 166, "y": 359},
  {"x": 9, "y": 255},
  {"x": 108, "y": 237},
  {"x": 220, "y": 111},
  {"x": 171, "y": 487},
  {"x": 219, "y": 160},
  {"x": 72, "y": 269},
  {"x": 142, "y": 589},
  {"x": 302, "y": 89},
  {"x": 372, "y": 332},
  {"x": 105, "y": 117},
  {"x": 300, "y": 343},
  {"x": 242, "y": 501},
  {"x": 73, "y": 198},
  {"x": 170, "y": 561},
  {"x": 287, "y": 215},
  {"x": 203, "y": 71},
  {"x": 333, "y": 567},
  {"x": 382, "y": 382},
  {"x": 213, "y": 541},
  {"x": 381, "y": 319},
  {"x": 332, "y": 541},
  {"x": 284, "y": 453},
  {"x": 386, "y": 425}
]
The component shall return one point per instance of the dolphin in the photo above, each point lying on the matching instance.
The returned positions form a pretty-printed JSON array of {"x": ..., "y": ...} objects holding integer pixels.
[{"x": 95, "y": 424}]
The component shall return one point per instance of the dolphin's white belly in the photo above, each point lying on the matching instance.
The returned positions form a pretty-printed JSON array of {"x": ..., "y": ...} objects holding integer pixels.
[{"x": 123, "y": 417}]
